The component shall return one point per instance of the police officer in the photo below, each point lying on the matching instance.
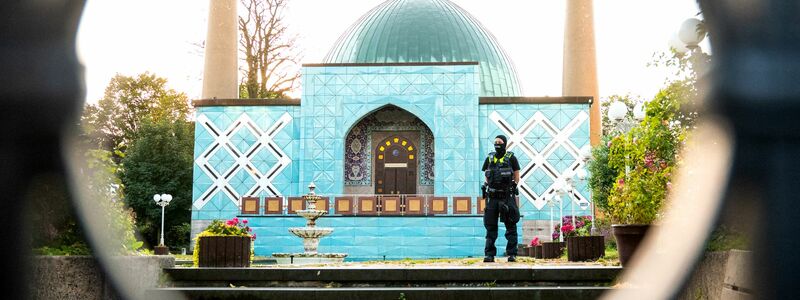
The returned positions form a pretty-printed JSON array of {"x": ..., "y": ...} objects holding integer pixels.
[{"x": 502, "y": 174}]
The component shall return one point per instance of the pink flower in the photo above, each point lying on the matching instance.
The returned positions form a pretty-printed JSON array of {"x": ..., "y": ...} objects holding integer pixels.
[
  {"x": 230, "y": 223},
  {"x": 535, "y": 242},
  {"x": 235, "y": 220},
  {"x": 249, "y": 229},
  {"x": 567, "y": 229},
  {"x": 244, "y": 221},
  {"x": 621, "y": 182},
  {"x": 253, "y": 237}
]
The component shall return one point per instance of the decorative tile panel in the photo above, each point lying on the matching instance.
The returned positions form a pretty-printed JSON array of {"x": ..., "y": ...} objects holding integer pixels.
[
  {"x": 547, "y": 139},
  {"x": 342, "y": 96},
  {"x": 243, "y": 151}
]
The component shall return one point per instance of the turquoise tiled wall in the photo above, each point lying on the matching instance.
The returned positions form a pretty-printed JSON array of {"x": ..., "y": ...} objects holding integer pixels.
[
  {"x": 445, "y": 98},
  {"x": 373, "y": 237},
  {"x": 233, "y": 143},
  {"x": 546, "y": 138}
]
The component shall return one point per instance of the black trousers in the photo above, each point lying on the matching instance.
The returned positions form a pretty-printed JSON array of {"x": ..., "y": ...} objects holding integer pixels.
[{"x": 490, "y": 217}]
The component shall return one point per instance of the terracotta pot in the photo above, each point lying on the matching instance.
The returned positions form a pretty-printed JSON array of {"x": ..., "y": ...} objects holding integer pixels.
[
  {"x": 628, "y": 237},
  {"x": 585, "y": 248},
  {"x": 224, "y": 251},
  {"x": 552, "y": 250}
]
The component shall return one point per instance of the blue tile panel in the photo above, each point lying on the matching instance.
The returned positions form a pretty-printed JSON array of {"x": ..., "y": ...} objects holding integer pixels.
[
  {"x": 243, "y": 151},
  {"x": 445, "y": 98},
  {"x": 374, "y": 237},
  {"x": 546, "y": 138}
]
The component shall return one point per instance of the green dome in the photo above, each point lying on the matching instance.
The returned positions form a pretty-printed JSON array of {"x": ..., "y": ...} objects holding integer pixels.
[{"x": 411, "y": 31}]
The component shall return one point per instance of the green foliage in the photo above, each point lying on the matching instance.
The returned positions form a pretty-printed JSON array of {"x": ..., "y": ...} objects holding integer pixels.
[
  {"x": 725, "y": 238},
  {"x": 51, "y": 216},
  {"x": 74, "y": 249},
  {"x": 160, "y": 161},
  {"x": 650, "y": 151},
  {"x": 115, "y": 121},
  {"x": 105, "y": 189},
  {"x": 602, "y": 175}
]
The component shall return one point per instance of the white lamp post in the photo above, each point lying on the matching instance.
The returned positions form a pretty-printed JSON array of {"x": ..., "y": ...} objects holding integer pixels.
[
  {"x": 162, "y": 200},
  {"x": 550, "y": 202},
  {"x": 617, "y": 112},
  {"x": 559, "y": 196},
  {"x": 688, "y": 39}
]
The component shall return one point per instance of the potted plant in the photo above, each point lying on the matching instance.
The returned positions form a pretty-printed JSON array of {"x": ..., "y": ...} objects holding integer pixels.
[
  {"x": 644, "y": 160},
  {"x": 535, "y": 249},
  {"x": 224, "y": 244},
  {"x": 553, "y": 249},
  {"x": 581, "y": 245}
]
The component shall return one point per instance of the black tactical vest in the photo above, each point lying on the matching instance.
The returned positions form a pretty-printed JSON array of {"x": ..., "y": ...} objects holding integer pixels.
[{"x": 499, "y": 172}]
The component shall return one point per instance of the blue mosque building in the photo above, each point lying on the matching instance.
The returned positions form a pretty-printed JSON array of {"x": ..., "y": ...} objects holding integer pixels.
[{"x": 392, "y": 128}]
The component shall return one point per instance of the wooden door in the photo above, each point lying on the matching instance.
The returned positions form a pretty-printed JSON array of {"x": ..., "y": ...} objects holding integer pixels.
[{"x": 396, "y": 166}]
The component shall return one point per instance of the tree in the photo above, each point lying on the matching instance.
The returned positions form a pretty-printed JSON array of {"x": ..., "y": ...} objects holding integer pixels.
[
  {"x": 114, "y": 122},
  {"x": 160, "y": 161},
  {"x": 269, "y": 54}
]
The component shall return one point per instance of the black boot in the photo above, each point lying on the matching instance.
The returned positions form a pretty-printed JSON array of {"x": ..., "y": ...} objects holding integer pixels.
[
  {"x": 488, "y": 259},
  {"x": 512, "y": 258}
]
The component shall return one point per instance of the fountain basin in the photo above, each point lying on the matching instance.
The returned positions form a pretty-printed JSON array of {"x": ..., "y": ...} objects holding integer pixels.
[
  {"x": 312, "y": 214},
  {"x": 310, "y": 232}
]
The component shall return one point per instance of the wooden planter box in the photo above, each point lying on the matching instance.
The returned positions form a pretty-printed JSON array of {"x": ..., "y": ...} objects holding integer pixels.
[
  {"x": 552, "y": 250},
  {"x": 522, "y": 250},
  {"x": 224, "y": 251},
  {"x": 537, "y": 253},
  {"x": 585, "y": 248}
]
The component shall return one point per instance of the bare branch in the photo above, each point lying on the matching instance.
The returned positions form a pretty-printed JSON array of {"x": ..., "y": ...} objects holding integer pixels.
[{"x": 270, "y": 57}]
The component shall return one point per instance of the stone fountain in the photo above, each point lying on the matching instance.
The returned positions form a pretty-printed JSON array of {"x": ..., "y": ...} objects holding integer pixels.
[{"x": 310, "y": 235}]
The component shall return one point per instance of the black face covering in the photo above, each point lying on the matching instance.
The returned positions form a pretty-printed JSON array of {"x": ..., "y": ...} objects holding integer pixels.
[{"x": 500, "y": 149}]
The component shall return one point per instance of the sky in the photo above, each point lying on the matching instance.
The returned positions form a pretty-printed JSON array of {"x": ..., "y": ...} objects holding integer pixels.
[{"x": 161, "y": 36}]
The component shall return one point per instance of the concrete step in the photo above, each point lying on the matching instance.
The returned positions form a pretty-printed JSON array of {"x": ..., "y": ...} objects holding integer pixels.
[
  {"x": 394, "y": 293},
  {"x": 393, "y": 277}
]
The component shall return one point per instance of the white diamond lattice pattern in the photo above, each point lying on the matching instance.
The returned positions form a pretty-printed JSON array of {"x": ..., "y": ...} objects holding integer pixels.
[
  {"x": 538, "y": 159},
  {"x": 242, "y": 158}
]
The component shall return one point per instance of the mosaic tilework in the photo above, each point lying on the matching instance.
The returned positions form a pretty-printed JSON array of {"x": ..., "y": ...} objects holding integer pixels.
[
  {"x": 358, "y": 144},
  {"x": 372, "y": 238},
  {"x": 445, "y": 98},
  {"x": 546, "y": 138},
  {"x": 243, "y": 151}
]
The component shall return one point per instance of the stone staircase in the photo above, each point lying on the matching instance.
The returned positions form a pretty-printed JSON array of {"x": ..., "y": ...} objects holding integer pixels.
[{"x": 446, "y": 282}]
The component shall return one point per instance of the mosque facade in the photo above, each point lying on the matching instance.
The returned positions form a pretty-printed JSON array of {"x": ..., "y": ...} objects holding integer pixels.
[{"x": 392, "y": 128}]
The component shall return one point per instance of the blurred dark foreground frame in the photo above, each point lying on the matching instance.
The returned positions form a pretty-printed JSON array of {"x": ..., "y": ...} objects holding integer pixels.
[{"x": 754, "y": 88}]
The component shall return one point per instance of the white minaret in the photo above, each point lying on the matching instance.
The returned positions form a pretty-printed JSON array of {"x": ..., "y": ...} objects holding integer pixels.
[
  {"x": 580, "y": 63},
  {"x": 220, "y": 71}
]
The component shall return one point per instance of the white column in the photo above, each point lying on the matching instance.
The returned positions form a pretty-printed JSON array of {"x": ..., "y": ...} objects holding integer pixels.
[{"x": 221, "y": 56}]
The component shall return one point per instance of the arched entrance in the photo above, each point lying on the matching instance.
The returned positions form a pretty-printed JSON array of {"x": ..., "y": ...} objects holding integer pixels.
[
  {"x": 396, "y": 166},
  {"x": 362, "y": 167}
]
